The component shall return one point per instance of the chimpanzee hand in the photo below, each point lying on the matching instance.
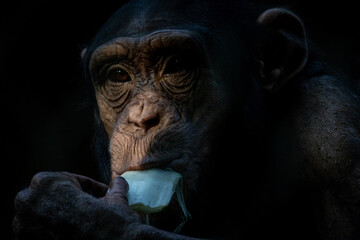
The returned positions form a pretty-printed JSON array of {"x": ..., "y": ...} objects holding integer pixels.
[{"x": 68, "y": 206}]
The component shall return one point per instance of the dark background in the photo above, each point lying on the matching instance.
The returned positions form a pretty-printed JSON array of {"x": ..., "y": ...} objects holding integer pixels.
[{"x": 45, "y": 119}]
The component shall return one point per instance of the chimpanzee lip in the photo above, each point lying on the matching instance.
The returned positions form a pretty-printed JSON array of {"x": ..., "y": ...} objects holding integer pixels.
[
  {"x": 148, "y": 165},
  {"x": 174, "y": 163}
]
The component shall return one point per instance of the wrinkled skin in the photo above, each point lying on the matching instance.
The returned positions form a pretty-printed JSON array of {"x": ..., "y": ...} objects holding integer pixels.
[{"x": 229, "y": 97}]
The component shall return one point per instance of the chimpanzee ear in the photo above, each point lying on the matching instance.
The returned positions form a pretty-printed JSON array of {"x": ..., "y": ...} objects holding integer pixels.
[{"x": 283, "y": 50}]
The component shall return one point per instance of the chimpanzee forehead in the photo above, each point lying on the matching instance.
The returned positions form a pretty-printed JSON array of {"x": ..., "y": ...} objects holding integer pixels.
[
  {"x": 142, "y": 17},
  {"x": 154, "y": 44},
  {"x": 210, "y": 19}
]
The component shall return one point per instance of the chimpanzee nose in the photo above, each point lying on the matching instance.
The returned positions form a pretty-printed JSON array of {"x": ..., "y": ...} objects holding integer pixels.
[{"x": 145, "y": 115}]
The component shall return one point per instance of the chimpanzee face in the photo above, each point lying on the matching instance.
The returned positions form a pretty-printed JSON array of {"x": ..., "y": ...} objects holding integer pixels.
[{"x": 148, "y": 92}]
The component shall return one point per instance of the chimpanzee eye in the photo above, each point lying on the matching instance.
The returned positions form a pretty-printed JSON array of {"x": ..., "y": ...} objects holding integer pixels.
[
  {"x": 175, "y": 64},
  {"x": 118, "y": 75}
]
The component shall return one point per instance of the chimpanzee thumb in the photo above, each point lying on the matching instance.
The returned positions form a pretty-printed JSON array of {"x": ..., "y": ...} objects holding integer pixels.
[{"x": 117, "y": 193}]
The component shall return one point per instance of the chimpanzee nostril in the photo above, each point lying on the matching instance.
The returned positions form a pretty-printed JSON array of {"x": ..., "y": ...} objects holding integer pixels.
[{"x": 152, "y": 122}]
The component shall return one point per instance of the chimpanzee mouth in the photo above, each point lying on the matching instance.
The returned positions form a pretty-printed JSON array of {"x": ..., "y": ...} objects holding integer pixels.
[{"x": 173, "y": 161}]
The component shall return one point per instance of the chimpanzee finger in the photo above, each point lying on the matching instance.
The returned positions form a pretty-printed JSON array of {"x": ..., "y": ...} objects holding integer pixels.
[
  {"x": 118, "y": 191},
  {"x": 90, "y": 186}
]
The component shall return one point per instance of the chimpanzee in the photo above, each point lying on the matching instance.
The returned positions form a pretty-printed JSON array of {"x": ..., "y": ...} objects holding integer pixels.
[{"x": 229, "y": 95}]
